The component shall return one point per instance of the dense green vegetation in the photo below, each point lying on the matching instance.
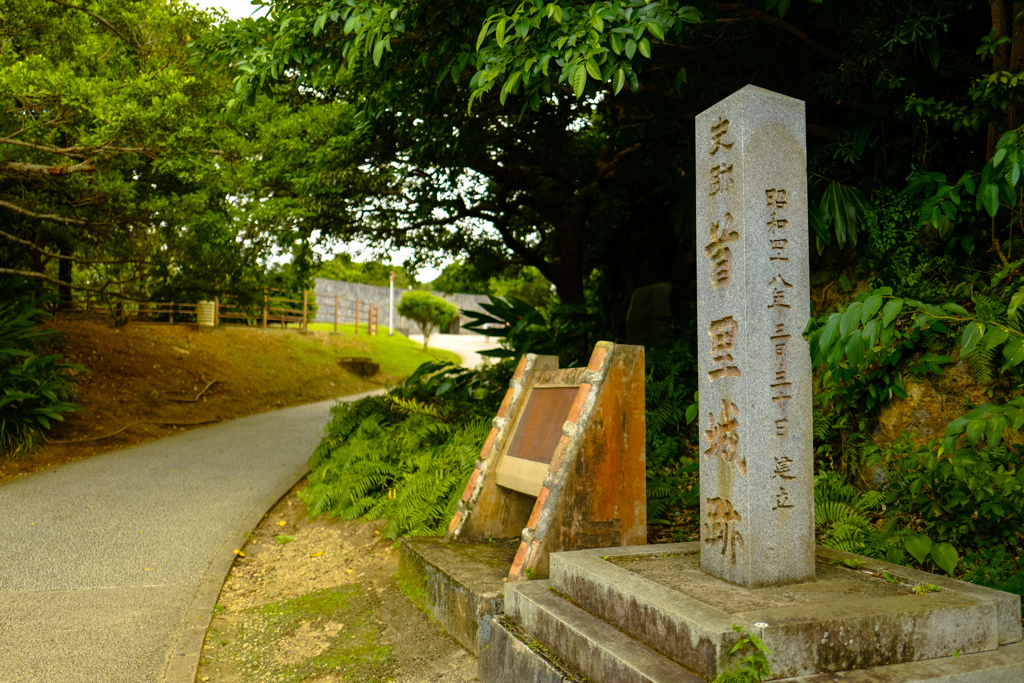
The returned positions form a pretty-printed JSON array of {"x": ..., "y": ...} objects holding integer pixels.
[{"x": 35, "y": 390}]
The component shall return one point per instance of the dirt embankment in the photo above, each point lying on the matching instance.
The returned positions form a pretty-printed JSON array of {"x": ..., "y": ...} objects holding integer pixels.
[{"x": 145, "y": 382}]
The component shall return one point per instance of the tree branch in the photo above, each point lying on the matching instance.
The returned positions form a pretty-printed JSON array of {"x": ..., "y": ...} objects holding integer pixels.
[
  {"x": 50, "y": 254},
  {"x": 24, "y": 167},
  {"x": 779, "y": 23},
  {"x": 42, "y": 216},
  {"x": 100, "y": 19}
]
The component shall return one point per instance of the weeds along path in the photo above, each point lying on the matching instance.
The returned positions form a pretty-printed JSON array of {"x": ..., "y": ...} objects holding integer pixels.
[{"x": 110, "y": 566}]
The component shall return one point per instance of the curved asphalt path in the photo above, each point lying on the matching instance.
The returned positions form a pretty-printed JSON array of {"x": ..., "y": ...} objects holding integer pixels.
[{"x": 110, "y": 566}]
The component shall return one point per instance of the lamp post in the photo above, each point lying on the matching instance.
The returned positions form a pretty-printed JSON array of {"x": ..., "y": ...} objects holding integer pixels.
[{"x": 391, "y": 307}]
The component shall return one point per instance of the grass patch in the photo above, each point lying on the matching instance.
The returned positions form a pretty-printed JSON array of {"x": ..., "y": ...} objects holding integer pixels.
[
  {"x": 327, "y": 631},
  {"x": 397, "y": 355}
]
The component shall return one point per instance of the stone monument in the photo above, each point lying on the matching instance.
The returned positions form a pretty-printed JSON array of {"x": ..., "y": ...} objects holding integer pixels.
[
  {"x": 753, "y": 296},
  {"x": 675, "y": 612},
  {"x": 562, "y": 469}
]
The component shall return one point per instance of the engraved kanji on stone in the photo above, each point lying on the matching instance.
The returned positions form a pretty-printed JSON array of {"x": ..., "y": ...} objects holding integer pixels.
[
  {"x": 720, "y": 527},
  {"x": 782, "y": 428},
  {"x": 776, "y": 198},
  {"x": 782, "y": 499},
  {"x": 723, "y": 333},
  {"x": 776, "y": 224},
  {"x": 718, "y": 131},
  {"x": 721, "y": 179},
  {"x": 719, "y": 253},
  {"x": 723, "y": 437},
  {"x": 783, "y": 469}
]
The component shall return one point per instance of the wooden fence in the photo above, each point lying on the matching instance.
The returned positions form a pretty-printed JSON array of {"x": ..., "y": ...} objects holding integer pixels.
[{"x": 275, "y": 311}]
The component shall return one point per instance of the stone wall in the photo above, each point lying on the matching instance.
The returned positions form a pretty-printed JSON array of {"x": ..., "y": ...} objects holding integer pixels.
[{"x": 379, "y": 296}]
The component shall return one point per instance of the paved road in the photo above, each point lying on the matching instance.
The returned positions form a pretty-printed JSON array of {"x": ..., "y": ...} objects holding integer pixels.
[
  {"x": 110, "y": 566},
  {"x": 467, "y": 346}
]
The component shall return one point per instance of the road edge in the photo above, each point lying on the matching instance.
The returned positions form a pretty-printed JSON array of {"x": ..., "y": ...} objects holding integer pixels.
[{"x": 183, "y": 660}]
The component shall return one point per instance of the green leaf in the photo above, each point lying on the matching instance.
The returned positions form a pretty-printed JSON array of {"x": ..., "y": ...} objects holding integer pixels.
[
  {"x": 871, "y": 307},
  {"x": 1013, "y": 353},
  {"x": 618, "y": 80},
  {"x": 855, "y": 349},
  {"x": 1015, "y": 301},
  {"x": 656, "y": 31},
  {"x": 998, "y": 157},
  {"x": 500, "y": 33},
  {"x": 680, "y": 78},
  {"x": 630, "y": 48},
  {"x": 990, "y": 197},
  {"x": 645, "y": 47},
  {"x": 783, "y": 7},
  {"x": 828, "y": 332},
  {"x": 972, "y": 334},
  {"x": 918, "y": 546},
  {"x": 994, "y": 336},
  {"x": 851, "y": 318},
  {"x": 594, "y": 70},
  {"x": 579, "y": 80},
  {"x": 945, "y": 557}
]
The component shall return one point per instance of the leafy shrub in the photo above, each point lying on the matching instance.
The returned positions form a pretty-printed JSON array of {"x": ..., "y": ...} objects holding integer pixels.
[
  {"x": 34, "y": 389},
  {"x": 559, "y": 330},
  {"x": 428, "y": 311},
  {"x": 672, "y": 464},
  {"x": 406, "y": 456},
  {"x": 898, "y": 252}
]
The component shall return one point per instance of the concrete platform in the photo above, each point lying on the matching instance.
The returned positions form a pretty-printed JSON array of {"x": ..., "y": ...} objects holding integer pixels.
[
  {"x": 847, "y": 619},
  {"x": 462, "y": 585}
]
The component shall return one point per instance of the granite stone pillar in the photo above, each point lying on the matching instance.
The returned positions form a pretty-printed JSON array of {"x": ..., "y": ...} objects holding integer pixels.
[{"x": 754, "y": 369}]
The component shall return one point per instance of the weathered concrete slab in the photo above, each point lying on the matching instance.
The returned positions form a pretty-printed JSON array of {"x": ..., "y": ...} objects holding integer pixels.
[
  {"x": 846, "y": 619},
  {"x": 594, "y": 648},
  {"x": 507, "y": 657},
  {"x": 753, "y": 294},
  {"x": 1005, "y": 665},
  {"x": 461, "y": 585}
]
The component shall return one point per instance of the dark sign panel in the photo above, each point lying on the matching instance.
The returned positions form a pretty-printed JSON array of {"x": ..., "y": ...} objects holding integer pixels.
[{"x": 540, "y": 427}]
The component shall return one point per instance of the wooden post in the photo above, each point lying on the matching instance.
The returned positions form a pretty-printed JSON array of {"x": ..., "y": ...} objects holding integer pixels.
[
  {"x": 305, "y": 309},
  {"x": 335, "y": 314},
  {"x": 172, "y": 312},
  {"x": 357, "y": 316},
  {"x": 264, "y": 307},
  {"x": 216, "y": 311}
]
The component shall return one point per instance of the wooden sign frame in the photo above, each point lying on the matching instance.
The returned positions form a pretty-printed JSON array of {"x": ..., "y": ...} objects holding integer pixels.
[{"x": 592, "y": 492}]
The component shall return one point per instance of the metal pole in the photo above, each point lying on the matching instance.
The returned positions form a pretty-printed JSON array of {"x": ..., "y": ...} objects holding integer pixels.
[{"x": 391, "y": 307}]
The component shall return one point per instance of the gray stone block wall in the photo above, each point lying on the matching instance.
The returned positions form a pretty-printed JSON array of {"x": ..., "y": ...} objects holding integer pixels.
[{"x": 379, "y": 296}]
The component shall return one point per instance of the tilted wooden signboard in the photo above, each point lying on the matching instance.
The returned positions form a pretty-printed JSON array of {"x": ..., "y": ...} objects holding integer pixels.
[{"x": 564, "y": 466}]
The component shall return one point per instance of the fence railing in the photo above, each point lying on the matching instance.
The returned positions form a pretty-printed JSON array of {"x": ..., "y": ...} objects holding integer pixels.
[{"x": 274, "y": 310}]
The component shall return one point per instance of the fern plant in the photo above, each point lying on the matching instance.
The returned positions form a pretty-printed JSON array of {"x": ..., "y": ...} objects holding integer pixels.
[
  {"x": 405, "y": 457},
  {"x": 35, "y": 390}
]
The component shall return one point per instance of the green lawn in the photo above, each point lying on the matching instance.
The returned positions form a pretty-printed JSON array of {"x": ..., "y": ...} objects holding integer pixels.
[{"x": 397, "y": 355}]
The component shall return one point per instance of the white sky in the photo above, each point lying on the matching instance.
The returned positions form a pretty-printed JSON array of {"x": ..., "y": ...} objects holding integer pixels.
[{"x": 239, "y": 9}]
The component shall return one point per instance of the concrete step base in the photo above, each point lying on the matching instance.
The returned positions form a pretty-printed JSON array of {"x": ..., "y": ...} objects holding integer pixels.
[
  {"x": 858, "y": 614},
  {"x": 588, "y": 645},
  {"x": 459, "y": 584},
  {"x": 1004, "y": 665},
  {"x": 511, "y": 656}
]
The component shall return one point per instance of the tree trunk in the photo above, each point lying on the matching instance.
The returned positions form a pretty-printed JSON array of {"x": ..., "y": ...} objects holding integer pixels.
[
  {"x": 64, "y": 272},
  {"x": 1008, "y": 57}
]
